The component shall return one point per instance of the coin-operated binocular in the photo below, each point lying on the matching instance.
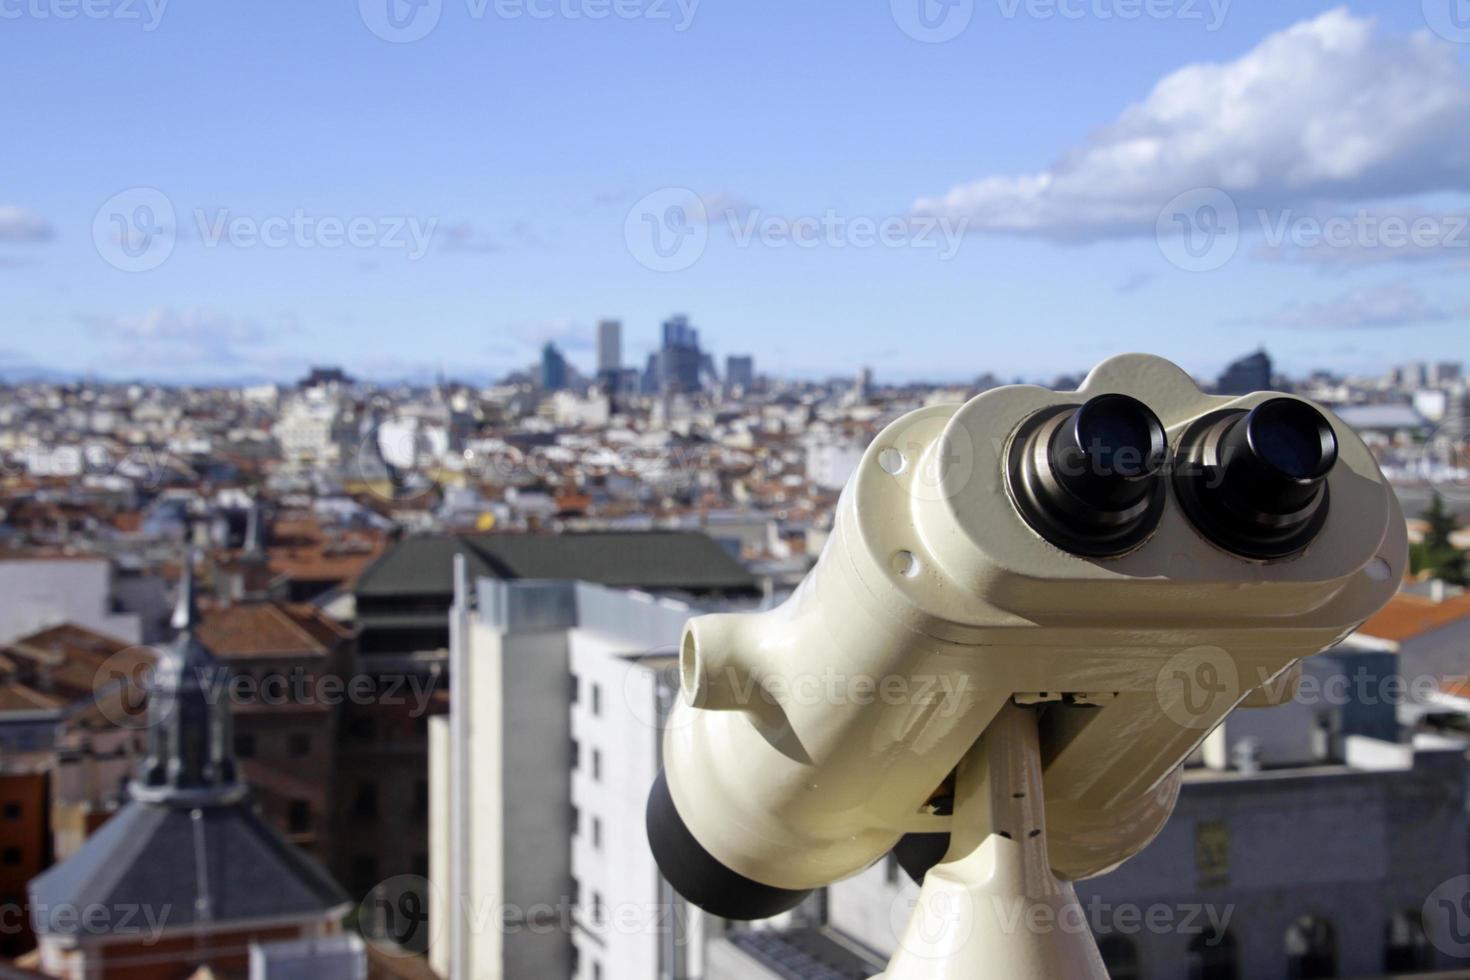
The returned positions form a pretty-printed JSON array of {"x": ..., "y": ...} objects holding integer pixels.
[{"x": 1031, "y": 610}]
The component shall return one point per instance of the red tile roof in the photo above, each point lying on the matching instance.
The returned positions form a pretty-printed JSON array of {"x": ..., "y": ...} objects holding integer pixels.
[
  {"x": 269, "y": 629},
  {"x": 1409, "y": 616}
]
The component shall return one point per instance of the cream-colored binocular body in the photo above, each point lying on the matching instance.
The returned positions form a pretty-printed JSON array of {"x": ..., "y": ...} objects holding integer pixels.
[{"x": 810, "y": 738}]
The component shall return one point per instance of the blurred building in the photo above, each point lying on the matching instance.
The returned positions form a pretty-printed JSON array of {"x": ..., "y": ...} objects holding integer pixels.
[
  {"x": 1250, "y": 373},
  {"x": 404, "y": 603},
  {"x": 610, "y": 353},
  {"x": 541, "y": 773},
  {"x": 679, "y": 360},
  {"x": 286, "y": 661},
  {"x": 740, "y": 371},
  {"x": 553, "y": 368},
  {"x": 25, "y": 816},
  {"x": 186, "y": 876},
  {"x": 43, "y": 592},
  {"x": 72, "y": 706}
]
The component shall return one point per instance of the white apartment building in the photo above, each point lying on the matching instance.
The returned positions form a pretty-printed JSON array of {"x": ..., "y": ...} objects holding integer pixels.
[
  {"x": 539, "y": 862},
  {"x": 43, "y": 592},
  {"x": 313, "y": 428}
]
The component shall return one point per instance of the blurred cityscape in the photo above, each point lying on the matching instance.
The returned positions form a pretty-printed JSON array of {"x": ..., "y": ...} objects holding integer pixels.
[{"x": 321, "y": 560}]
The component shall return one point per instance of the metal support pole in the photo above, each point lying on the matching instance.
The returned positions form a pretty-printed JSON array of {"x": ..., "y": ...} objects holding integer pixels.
[{"x": 993, "y": 907}]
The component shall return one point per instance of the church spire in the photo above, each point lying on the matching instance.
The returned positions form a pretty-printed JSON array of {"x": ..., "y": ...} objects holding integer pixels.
[{"x": 191, "y": 754}]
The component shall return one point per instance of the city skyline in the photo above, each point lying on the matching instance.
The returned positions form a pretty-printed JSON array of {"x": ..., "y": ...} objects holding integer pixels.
[{"x": 854, "y": 219}]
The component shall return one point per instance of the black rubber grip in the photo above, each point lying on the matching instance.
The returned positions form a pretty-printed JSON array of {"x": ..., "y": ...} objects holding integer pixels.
[{"x": 698, "y": 876}]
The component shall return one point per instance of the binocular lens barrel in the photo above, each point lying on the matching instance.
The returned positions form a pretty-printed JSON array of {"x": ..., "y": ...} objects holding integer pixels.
[
  {"x": 1086, "y": 477},
  {"x": 1255, "y": 482}
]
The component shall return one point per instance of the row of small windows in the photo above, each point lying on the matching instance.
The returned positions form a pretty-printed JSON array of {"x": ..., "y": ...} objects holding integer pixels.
[{"x": 1310, "y": 946}]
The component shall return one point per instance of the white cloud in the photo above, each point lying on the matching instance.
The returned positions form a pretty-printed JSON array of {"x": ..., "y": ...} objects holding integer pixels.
[
  {"x": 1326, "y": 110},
  {"x": 722, "y": 206},
  {"x": 1392, "y": 305},
  {"x": 199, "y": 339},
  {"x": 19, "y": 226}
]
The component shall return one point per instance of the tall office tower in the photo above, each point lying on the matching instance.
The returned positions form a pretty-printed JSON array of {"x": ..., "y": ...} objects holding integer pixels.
[
  {"x": 1250, "y": 373},
  {"x": 609, "y": 347},
  {"x": 740, "y": 370},
  {"x": 863, "y": 387},
  {"x": 1411, "y": 376},
  {"x": 678, "y": 333},
  {"x": 679, "y": 360},
  {"x": 553, "y": 368},
  {"x": 1445, "y": 374}
]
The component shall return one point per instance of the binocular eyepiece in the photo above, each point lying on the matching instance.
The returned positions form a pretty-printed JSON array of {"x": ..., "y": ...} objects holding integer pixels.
[
  {"x": 1090, "y": 478},
  {"x": 1256, "y": 482},
  {"x": 1086, "y": 477}
]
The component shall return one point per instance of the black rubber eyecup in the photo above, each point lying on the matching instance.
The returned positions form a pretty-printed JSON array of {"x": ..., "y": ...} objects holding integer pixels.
[
  {"x": 698, "y": 876},
  {"x": 1087, "y": 477},
  {"x": 1255, "y": 482}
]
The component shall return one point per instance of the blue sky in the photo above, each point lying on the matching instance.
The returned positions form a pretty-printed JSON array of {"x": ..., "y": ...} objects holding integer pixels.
[{"x": 525, "y": 140}]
